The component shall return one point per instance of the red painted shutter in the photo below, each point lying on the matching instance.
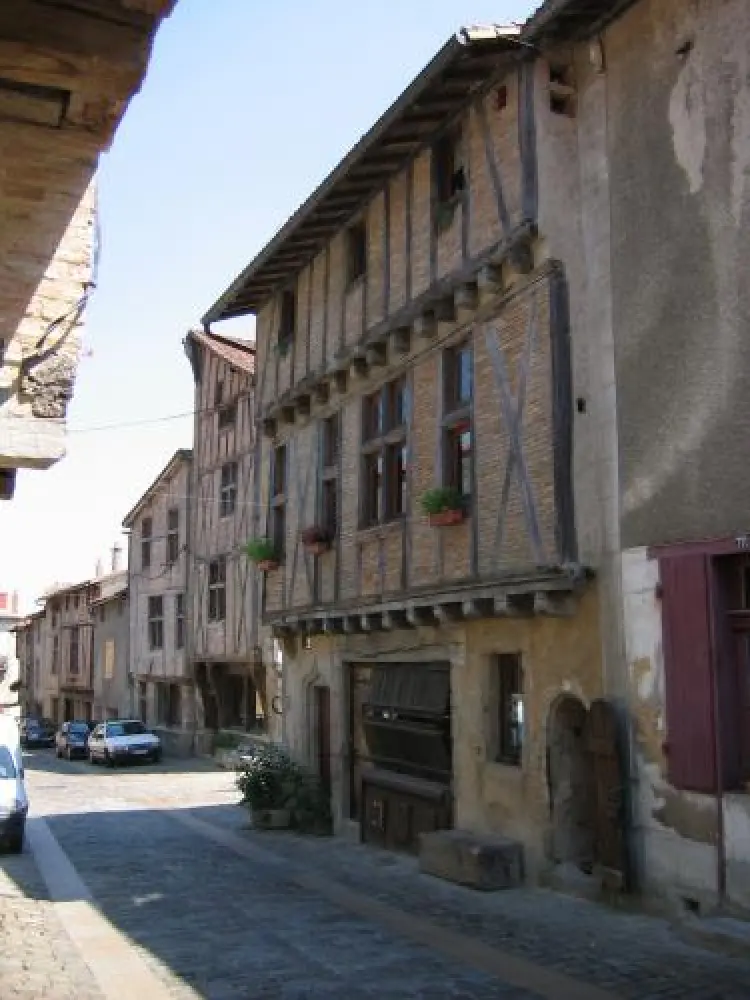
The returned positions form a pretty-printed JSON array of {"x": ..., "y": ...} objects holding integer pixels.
[{"x": 688, "y": 671}]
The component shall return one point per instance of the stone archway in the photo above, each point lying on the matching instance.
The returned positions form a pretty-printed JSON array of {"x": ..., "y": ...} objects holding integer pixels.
[{"x": 572, "y": 788}]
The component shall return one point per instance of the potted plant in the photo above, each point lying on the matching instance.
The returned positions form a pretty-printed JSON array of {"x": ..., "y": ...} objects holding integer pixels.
[
  {"x": 316, "y": 539},
  {"x": 267, "y": 782},
  {"x": 262, "y": 552},
  {"x": 443, "y": 505}
]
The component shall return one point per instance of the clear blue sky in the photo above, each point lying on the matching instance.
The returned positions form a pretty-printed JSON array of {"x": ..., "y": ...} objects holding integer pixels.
[{"x": 245, "y": 109}]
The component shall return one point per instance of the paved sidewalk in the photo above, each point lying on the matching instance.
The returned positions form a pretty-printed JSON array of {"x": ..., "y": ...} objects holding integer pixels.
[
  {"x": 631, "y": 955},
  {"x": 38, "y": 961}
]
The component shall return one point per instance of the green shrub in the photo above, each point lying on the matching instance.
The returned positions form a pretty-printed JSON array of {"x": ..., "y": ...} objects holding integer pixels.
[
  {"x": 260, "y": 550},
  {"x": 441, "y": 498},
  {"x": 269, "y": 779}
]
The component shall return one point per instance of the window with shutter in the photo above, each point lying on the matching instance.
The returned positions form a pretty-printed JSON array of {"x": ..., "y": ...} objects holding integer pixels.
[{"x": 688, "y": 671}]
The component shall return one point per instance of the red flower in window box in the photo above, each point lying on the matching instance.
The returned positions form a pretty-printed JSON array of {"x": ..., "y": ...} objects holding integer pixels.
[{"x": 316, "y": 539}]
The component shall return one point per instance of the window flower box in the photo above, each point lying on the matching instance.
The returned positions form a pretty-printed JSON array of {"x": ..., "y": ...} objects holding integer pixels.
[
  {"x": 262, "y": 552},
  {"x": 316, "y": 540},
  {"x": 444, "y": 506}
]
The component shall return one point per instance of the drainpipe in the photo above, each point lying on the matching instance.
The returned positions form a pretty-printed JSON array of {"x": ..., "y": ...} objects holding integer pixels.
[{"x": 721, "y": 857}]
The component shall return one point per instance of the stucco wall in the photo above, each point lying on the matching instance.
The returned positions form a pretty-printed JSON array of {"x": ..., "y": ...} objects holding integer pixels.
[
  {"x": 558, "y": 655},
  {"x": 679, "y": 141},
  {"x": 676, "y": 831},
  {"x": 111, "y": 624}
]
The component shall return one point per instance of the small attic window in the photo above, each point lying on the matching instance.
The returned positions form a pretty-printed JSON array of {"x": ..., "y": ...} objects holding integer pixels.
[
  {"x": 288, "y": 320},
  {"x": 447, "y": 172},
  {"x": 356, "y": 251},
  {"x": 562, "y": 91}
]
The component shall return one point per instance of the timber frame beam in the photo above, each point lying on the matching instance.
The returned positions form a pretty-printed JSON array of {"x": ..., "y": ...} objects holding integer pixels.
[
  {"x": 550, "y": 594},
  {"x": 456, "y": 299}
]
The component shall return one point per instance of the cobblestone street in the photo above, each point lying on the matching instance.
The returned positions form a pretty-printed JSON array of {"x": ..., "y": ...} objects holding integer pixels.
[{"x": 147, "y": 883}]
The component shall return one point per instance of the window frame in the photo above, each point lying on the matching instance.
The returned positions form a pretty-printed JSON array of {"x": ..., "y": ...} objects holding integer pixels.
[
  {"x": 155, "y": 622},
  {"x": 147, "y": 537},
  {"x": 227, "y": 416},
  {"x": 179, "y": 620},
  {"x": 356, "y": 251},
  {"x": 278, "y": 499},
  {"x": 329, "y": 473},
  {"x": 228, "y": 489},
  {"x": 508, "y": 685},
  {"x": 448, "y": 171},
  {"x": 173, "y": 535},
  {"x": 217, "y": 589},
  {"x": 287, "y": 317},
  {"x": 385, "y": 419},
  {"x": 74, "y": 661},
  {"x": 457, "y": 419}
]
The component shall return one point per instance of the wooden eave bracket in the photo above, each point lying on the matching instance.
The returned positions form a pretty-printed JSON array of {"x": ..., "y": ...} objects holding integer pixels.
[{"x": 556, "y": 595}]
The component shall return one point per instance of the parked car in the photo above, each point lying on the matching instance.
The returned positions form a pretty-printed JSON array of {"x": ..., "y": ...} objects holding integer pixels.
[
  {"x": 72, "y": 740},
  {"x": 122, "y": 740},
  {"x": 14, "y": 803},
  {"x": 37, "y": 733}
]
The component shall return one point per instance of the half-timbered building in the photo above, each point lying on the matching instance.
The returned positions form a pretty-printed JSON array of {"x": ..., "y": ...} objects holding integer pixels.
[
  {"x": 415, "y": 400},
  {"x": 160, "y": 680},
  {"x": 226, "y": 656}
]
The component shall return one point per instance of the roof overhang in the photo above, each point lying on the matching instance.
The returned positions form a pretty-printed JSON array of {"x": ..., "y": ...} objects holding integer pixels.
[
  {"x": 465, "y": 64},
  {"x": 180, "y": 457},
  {"x": 571, "y": 20}
]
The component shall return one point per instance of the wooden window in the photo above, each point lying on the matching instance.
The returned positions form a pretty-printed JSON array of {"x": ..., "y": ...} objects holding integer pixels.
[
  {"x": 55, "y": 654},
  {"x": 218, "y": 393},
  {"x": 448, "y": 174},
  {"x": 459, "y": 377},
  {"x": 147, "y": 529},
  {"x": 227, "y": 416},
  {"x": 217, "y": 589},
  {"x": 329, "y": 474},
  {"x": 174, "y": 706},
  {"x": 384, "y": 466},
  {"x": 156, "y": 622},
  {"x": 143, "y": 702},
  {"x": 356, "y": 251},
  {"x": 458, "y": 439},
  {"x": 162, "y": 703},
  {"x": 173, "y": 535},
  {"x": 562, "y": 91},
  {"x": 109, "y": 659},
  {"x": 278, "y": 500},
  {"x": 288, "y": 318},
  {"x": 228, "y": 490},
  {"x": 395, "y": 481},
  {"x": 179, "y": 621},
  {"x": 509, "y": 687},
  {"x": 74, "y": 663}
]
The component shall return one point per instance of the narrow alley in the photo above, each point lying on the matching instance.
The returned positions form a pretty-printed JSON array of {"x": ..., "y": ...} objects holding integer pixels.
[{"x": 131, "y": 888}]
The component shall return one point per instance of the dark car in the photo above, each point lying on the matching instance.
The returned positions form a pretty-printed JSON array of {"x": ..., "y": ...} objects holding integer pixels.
[
  {"x": 37, "y": 733},
  {"x": 72, "y": 740}
]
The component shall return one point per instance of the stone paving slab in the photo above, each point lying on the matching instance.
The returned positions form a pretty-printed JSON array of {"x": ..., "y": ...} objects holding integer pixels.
[
  {"x": 37, "y": 959},
  {"x": 212, "y": 924},
  {"x": 632, "y": 955}
]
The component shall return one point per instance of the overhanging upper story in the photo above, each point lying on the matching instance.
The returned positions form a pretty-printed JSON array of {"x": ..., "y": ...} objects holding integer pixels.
[
  {"x": 67, "y": 72},
  {"x": 412, "y": 337}
]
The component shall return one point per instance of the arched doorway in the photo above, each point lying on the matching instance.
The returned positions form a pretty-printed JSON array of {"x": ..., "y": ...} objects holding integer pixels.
[{"x": 572, "y": 788}]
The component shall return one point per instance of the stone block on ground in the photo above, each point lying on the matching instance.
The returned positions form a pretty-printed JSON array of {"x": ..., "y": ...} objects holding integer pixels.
[{"x": 480, "y": 862}]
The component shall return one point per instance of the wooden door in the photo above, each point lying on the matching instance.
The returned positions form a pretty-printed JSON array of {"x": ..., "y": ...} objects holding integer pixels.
[
  {"x": 606, "y": 747},
  {"x": 323, "y": 734}
]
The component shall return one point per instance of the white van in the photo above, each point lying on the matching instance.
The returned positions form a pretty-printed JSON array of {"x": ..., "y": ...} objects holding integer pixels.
[{"x": 14, "y": 803}]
